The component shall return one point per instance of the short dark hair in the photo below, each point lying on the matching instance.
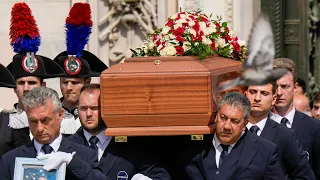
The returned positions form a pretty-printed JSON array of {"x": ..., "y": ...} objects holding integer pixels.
[
  {"x": 316, "y": 97},
  {"x": 302, "y": 83},
  {"x": 288, "y": 64},
  {"x": 90, "y": 87},
  {"x": 236, "y": 99}
]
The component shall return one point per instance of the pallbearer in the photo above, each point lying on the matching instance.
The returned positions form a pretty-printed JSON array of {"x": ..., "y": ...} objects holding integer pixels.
[{"x": 79, "y": 65}]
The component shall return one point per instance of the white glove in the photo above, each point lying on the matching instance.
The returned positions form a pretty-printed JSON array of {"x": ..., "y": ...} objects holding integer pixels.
[
  {"x": 56, "y": 159},
  {"x": 140, "y": 177}
]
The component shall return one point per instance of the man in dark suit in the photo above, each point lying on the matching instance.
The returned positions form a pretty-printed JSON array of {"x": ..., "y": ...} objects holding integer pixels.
[
  {"x": 29, "y": 71},
  {"x": 234, "y": 152},
  {"x": 306, "y": 128},
  {"x": 44, "y": 112},
  {"x": 292, "y": 158},
  {"x": 117, "y": 158}
]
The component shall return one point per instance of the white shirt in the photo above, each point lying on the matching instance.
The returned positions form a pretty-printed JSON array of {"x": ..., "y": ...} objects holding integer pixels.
[
  {"x": 260, "y": 125},
  {"x": 54, "y": 144},
  {"x": 102, "y": 143},
  {"x": 277, "y": 118},
  {"x": 216, "y": 145}
]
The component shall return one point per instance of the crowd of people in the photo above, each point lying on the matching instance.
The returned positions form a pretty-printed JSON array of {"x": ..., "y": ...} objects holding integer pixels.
[{"x": 261, "y": 132}]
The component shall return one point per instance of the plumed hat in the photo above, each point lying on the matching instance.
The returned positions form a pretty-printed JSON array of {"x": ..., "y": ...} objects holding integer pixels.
[
  {"x": 25, "y": 41},
  {"x": 75, "y": 61}
]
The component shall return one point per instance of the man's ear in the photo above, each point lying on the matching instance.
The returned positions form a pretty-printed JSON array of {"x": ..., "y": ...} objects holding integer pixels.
[
  {"x": 61, "y": 115},
  {"x": 245, "y": 124},
  {"x": 295, "y": 88},
  {"x": 88, "y": 81},
  {"x": 44, "y": 84}
]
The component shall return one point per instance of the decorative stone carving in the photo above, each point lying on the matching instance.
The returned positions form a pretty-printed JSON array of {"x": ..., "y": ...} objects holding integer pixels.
[
  {"x": 191, "y": 5},
  {"x": 124, "y": 16},
  {"x": 228, "y": 12},
  {"x": 291, "y": 31}
]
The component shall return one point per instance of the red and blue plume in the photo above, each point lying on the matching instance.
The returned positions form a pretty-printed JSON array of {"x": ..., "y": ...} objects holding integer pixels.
[
  {"x": 78, "y": 28},
  {"x": 24, "y": 33}
]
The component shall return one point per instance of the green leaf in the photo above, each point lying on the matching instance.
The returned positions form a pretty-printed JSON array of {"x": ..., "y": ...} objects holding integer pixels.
[{"x": 224, "y": 24}]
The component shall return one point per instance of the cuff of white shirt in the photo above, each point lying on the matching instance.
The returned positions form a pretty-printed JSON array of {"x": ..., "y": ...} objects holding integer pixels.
[{"x": 140, "y": 177}]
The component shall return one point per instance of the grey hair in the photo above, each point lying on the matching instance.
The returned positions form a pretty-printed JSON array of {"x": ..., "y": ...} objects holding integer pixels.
[
  {"x": 40, "y": 96},
  {"x": 238, "y": 100}
]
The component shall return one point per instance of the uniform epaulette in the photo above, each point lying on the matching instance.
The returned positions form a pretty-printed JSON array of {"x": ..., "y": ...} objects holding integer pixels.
[
  {"x": 18, "y": 120},
  {"x": 10, "y": 111}
]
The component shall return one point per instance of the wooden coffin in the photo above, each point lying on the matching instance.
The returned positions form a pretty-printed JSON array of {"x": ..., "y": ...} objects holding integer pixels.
[{"x": 163, "y": 95}]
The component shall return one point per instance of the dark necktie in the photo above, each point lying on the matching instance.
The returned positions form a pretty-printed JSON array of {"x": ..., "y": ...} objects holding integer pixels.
[
  {"x": 47, "y": 148},
  {"x": 254, "y": 129},
  {"x": 284, "y": 121},
  {"x": 224, "y": 153},
  {"x": 93, "y": 143}
]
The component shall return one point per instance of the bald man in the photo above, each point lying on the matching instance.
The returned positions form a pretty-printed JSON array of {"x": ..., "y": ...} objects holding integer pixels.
[{"x": 302, "y": 103}]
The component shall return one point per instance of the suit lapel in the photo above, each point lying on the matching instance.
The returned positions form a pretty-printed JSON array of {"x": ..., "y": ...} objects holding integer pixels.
[
  {"x": 269, "y": 131},
  {"x": 203, "y": 168},
  {"x": 80, "y": 138},
  {"x": 247, "y": 153},
  {"x": 65, "y": 146},
  {"x": 298, "y": 124},
  {"x": 29, "y": 150},
  {"x": 108, "y": 159}
]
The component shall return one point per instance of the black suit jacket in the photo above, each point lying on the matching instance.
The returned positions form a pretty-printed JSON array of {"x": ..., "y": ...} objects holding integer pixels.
[
  {"x": 83, "y": 166},
  {"x": 126, "y": 157},
  {"x": 11, "y": 138},
  {"x": 307, "y": 130},
  {"x": 251, "y": 158},
  {"x": 292, "y": 158}
]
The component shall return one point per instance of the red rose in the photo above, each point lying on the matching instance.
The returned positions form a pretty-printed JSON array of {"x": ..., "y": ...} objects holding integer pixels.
[
  {"x": 179, "y": 50},
  {"x": 213, "y": 46},
  {"x": 196, "y": 27},
  {"x": 170, "y": 23},
  {"x": 218, "y": 25},
  {"x": 227, "y": 38},
  {"x": 179, "y": 31},
  {"x": 236, "y": 46},
  {"x": 180, "y": 39}
]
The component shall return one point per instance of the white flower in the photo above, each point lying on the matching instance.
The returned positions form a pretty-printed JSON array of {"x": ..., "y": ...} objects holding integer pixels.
[
  {"x": 184, "y": 16},
  {"x": 186, "y": 45},
  {"x": 231, "y": 49},
  {"x": 196, "y": 43},
  {"x": 191, "y": 23},
  {"x": 166, "y": 37},
  {"x": 209, "y": 30},
  {"x": 151, "y": 45},
  {"x": 241, "y": 43},
  {"x": 202, "y": 25},
  {"x": 165, "y": 30},
  {"x": 171, "y": 36},
  {"x": 174, "y": 16},
  {"x": 220, "y": 42},
  {"x": 168, "y": 51},
  {"x": 206, "y": 40},
  {"x": 192, "y": 31},
  {"x": 231, "y": 33},
  {"x": 176, "y": 26},
  {"x": 182, "y": 20}
]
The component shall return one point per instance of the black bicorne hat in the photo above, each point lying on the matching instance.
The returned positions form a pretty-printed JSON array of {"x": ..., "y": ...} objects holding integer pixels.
[
  {"x": 87, "y": 65},
  {"x": 28, "y": 64},
  {"x": 6, "y": 78},
  {"x": 75, "y": 61}
]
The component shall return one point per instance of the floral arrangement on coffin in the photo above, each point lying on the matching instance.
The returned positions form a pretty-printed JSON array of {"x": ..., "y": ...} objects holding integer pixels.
[{"x": 193, "y": 34}]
